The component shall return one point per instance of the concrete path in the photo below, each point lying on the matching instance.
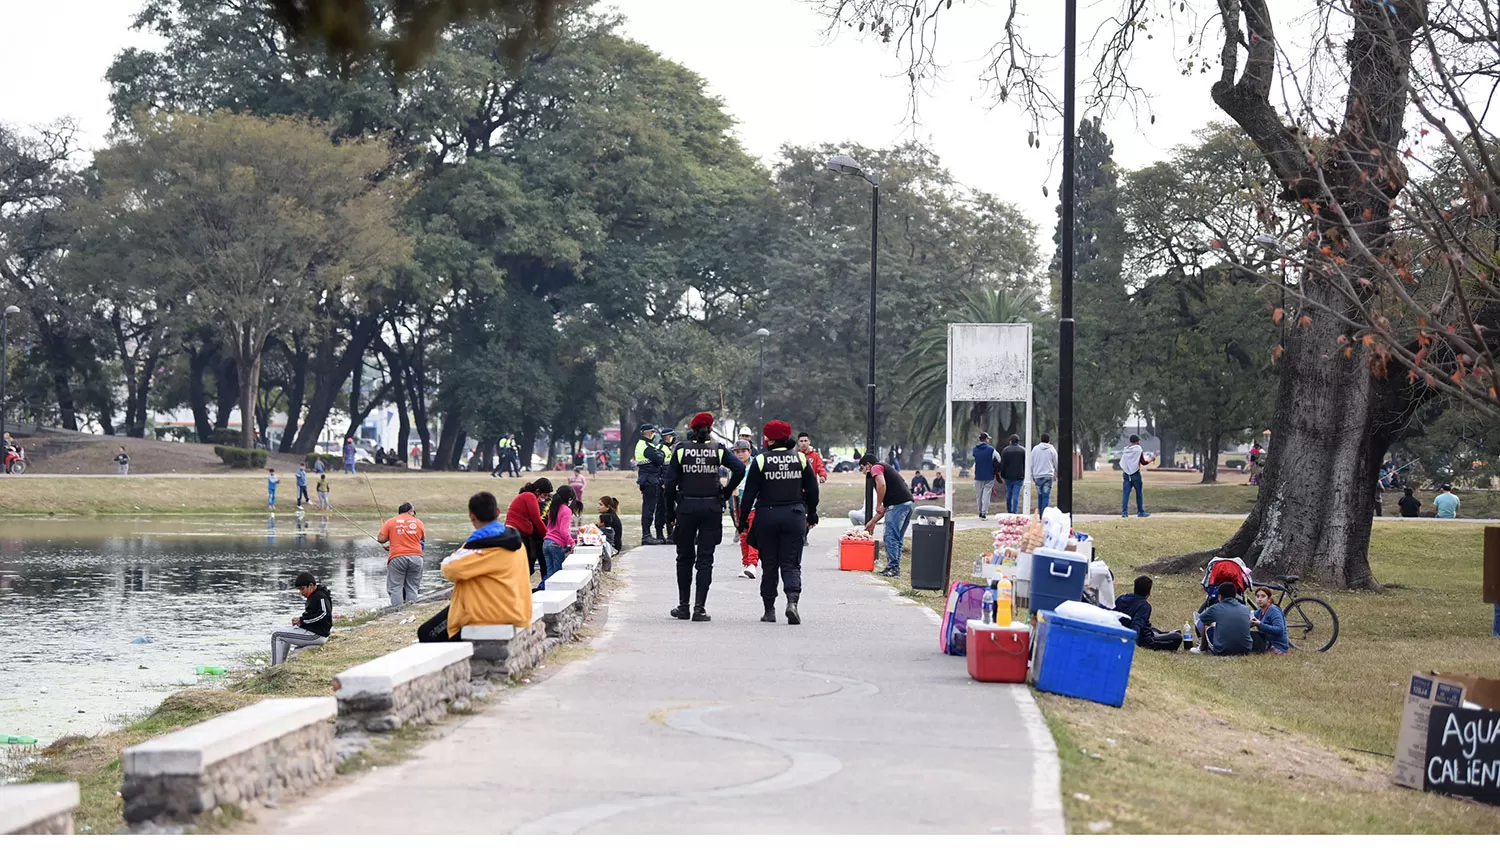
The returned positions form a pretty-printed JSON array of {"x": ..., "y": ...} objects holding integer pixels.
[{"x": 851, "y": 722}]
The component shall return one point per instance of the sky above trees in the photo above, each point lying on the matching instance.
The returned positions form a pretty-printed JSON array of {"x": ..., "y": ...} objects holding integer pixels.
[{"x": 769, "y": 60}]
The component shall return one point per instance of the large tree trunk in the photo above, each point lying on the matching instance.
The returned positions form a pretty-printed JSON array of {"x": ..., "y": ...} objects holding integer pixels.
[
  {"x": 1211, "y": 461},
  {"x": 249, "y": 375},
  {"x": 59, "y": 365},
  {"x": 198, "y": 360},
  {"x": 227, "y": 382},
  {"x": 295, "y": 394},
  {"x": 1334, "y": 418},
  {"x": 447, "y": 452},
  {"x": 329, "y": 373}
]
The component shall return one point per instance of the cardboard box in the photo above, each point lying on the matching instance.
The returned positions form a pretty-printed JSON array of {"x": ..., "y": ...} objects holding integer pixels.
[{"x": 1424, "y": 691}]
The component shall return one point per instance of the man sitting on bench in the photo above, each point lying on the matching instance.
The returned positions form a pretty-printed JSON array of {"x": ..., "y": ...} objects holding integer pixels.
[
  {"x": 491, "y": 578},
  {"x": 310, "y": 629}
]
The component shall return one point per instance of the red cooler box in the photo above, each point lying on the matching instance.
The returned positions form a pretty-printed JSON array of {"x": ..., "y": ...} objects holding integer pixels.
[{"x": 998, "y": 653}]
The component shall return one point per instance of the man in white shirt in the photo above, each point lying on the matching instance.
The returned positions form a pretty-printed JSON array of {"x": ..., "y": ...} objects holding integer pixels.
[
  {"x": 1043, "y": 470},
  {"x": 1130, "y": 466}
]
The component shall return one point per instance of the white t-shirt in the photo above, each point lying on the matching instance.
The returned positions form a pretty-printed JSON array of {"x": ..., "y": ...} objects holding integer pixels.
[
  {"x": 1043, "y": 460},
  {"x": 1130, "y": 459}
]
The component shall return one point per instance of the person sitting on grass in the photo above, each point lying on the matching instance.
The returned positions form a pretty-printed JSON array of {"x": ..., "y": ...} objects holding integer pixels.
[
  {"x": 919, "y": 486},
  {"x": 939, "y": 483},
  {"x": 490, "y": 574},
  {"x": 1225, "y": 625},
  {"x": 1410, "y": 505},
  {"x": 1137, "y": 606},
  {"x": 1446, "y": 503},
  {"x": 310, "y": 629},
  {"x": 1270, "y": 625}
]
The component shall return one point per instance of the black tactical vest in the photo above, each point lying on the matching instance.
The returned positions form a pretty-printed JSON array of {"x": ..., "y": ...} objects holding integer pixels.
[
  {"x": 783, "y": 473},
  {"x": 699, "y": 462}
]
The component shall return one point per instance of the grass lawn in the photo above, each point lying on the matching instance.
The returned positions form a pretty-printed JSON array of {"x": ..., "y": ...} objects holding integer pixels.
[{"x": 1291, "y": 729}]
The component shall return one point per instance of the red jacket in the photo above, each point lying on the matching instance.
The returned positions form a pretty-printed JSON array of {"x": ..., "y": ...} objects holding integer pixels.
[
  {"x": 817, "y": 463},
  {"x": 525, "y": 514}
]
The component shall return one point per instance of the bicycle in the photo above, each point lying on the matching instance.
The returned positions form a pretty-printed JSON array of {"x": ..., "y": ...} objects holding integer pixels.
[{"x": 1309, "y": 615}]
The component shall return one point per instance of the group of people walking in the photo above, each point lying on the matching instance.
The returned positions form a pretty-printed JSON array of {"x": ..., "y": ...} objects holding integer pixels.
[
  {"x": 994, "y": 467},
  {"x": 772, "y": 494}
]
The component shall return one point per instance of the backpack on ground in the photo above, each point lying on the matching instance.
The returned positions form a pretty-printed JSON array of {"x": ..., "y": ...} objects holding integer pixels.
[{"x": 965, "y": 603}]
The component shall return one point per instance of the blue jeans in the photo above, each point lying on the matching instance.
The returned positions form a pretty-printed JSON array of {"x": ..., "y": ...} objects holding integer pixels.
[
  {"x": 1132, "y": 481},
  {"x": 554, "y": 555},
  {"x": 1013, "y": 496},
  {"x": 270, "y": 497},
  {"x": 897, "y": 518},
  {"x": 1043, "y": 491}
]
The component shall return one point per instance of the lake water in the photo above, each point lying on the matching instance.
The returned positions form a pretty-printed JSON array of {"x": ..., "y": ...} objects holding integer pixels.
[{"x": 75, "y": 593}]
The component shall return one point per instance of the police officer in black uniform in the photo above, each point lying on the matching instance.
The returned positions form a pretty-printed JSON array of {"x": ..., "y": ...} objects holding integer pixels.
[
  {"x": 664, "y": 507},
  {"x": 782, "y": 489},
  {"x": 650, "y": 472},
  {"x": 695, "y": 503}
]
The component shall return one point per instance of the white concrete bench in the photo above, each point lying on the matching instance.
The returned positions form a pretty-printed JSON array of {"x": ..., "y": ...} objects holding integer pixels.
[
  {"x": 594, "y": 553},
  {"x": 43, "y": 808},
  {"x": 246, "y": 756},
  {"x": 506, "y": 650},
  {"x": 416, "y": 682},
  {"x": 570, "y": 579},
  {"x": 559, "y": 611},
  {"x": 581, "y": 561}
]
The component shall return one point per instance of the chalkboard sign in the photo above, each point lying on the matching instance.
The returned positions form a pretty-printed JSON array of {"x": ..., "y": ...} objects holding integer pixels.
[{"x": 1463, "y": 753}]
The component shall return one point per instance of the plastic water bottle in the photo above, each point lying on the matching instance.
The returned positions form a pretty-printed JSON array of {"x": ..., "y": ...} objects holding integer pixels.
[
  {"x": 1188, "y": 636},
  {"x": 989, "y": 605},
  {"x": 211, "y": 671}
]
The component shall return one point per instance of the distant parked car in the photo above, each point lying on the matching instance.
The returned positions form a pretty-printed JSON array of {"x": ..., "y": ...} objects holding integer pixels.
[{"x": 836, "y": 463}]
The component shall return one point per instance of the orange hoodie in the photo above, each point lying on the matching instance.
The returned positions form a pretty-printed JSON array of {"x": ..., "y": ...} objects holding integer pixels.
[{"x": 491, "y": 583}]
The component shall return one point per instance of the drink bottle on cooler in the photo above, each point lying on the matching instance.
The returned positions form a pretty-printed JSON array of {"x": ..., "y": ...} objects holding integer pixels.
[
  {"x": 989, "y": 605},
  {"x": 1005, "y": 601}
]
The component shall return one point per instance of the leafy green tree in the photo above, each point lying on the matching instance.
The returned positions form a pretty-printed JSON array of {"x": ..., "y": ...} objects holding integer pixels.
[
  {"x": 245, "y": 221},
  {"x": 1104, "y": 386}
]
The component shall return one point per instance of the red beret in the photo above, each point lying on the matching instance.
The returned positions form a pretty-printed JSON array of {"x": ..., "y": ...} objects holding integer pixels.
[
  {"x": 777, "y": 430},
  {"x": 702, "y": 420}
]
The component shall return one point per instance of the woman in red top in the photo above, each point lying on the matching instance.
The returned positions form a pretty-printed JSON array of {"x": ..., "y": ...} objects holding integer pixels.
[{"x": 525, "y": 516}]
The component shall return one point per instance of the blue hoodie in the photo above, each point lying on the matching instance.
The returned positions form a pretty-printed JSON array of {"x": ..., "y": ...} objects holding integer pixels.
[{"x": 984, "y": 462}]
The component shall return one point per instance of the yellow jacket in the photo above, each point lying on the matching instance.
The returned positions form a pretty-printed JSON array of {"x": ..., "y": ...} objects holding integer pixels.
[{"x": 491, "y": 583}]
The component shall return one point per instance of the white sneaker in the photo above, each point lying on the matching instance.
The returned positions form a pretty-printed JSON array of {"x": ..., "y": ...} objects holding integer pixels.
[
  {"x": 1196, "y": 651},
  {"x": 748, "y": 572}
]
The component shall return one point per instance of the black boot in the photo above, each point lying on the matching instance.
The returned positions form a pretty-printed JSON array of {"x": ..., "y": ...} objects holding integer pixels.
[
  {"x": 770, "y": 615},
  {"x": 792, "y": 617},
  {"x": 681, "y": 611},
  {"x": 700, "y": 615}
]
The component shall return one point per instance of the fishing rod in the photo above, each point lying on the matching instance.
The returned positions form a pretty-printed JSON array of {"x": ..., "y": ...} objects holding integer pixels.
[
  {"x": 349, "y": 520},
  {"x": 378, "y": 510}
]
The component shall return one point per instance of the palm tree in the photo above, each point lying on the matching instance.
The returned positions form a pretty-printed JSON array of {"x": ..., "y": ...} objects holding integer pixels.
[{"x": 923, "y": 371}]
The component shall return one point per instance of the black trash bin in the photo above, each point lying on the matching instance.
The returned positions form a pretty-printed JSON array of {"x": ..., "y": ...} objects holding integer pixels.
[{"x": 931, "y": 548}]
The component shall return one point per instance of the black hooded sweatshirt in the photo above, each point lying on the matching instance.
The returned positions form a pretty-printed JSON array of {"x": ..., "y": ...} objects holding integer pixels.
[{"x": 318, "y": 617}]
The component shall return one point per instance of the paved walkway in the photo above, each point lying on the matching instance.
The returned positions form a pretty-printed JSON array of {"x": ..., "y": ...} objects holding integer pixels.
[{"x": 851, "y": 722}]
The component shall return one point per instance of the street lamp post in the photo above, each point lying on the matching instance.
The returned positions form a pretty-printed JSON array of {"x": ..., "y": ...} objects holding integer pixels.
[
  {"x": 1065, "y": 324},
  {"x": 848, "y": 165},
  {"x": 760, "y": 382},
  {"x": 5, "y": 357}
]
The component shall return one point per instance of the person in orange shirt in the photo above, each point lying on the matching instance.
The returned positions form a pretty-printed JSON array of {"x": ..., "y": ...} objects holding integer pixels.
[{"x": 405, "y": 538}]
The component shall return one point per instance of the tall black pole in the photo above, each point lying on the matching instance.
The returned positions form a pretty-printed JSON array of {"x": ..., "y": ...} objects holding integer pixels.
[
  {"x": 4, "y": 366},
  {"x": 760, "y": 387},
  {"x": 870, "y": 448},
  {"x": 1065, "y": 319}
]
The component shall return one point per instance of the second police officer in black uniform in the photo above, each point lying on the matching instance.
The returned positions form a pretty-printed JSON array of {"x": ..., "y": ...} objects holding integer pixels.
[
  {"x": 782, "y": 489},
  {"x": 695, "y": 503}
]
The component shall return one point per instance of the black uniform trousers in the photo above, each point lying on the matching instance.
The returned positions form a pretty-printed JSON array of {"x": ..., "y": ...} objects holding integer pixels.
[
  {"x": 700, "y": 529},
  {"x": 661, "y": 511},
  {"x": 778, "y": 533},
  {"x": 650, "y": 506}
]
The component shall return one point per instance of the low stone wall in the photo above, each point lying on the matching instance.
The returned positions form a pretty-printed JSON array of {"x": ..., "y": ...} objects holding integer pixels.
[
  {"x": 506, "y": 657},
  {"x": 42, "y": 808},
  {"x": 253, "y": 755},
  {"x": 413, "y": 684}
]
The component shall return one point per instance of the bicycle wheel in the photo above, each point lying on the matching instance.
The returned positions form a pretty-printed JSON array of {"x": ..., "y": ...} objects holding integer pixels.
[{"x": 1311, "y": 624}]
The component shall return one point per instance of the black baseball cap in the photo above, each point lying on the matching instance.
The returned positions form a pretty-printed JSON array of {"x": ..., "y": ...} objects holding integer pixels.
[
  {"x": 304, "y": 579},
  {"x": 406, "y": 507}
]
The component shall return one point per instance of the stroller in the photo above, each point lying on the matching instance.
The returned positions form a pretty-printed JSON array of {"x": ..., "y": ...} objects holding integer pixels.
[{"x": 1220, "y": 570}]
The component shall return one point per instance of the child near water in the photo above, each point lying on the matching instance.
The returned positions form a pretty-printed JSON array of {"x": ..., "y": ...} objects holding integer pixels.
[
  {"x": 323, "y": 493},
  {"x": 271, "y": 483}
]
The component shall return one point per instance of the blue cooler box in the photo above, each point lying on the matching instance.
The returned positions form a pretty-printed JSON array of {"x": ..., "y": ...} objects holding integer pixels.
[
  {"x": 1056, "y": 577},
  {"x": 1080, "y": 659}
]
